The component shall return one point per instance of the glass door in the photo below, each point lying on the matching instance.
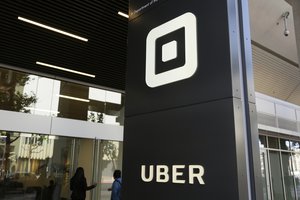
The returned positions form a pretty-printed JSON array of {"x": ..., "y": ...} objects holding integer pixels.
[
  {"x": 111, "y": 153},
  {"x": 35, "y": 166}
]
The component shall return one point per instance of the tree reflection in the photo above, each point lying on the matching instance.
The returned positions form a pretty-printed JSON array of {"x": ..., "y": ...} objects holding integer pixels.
[
  {"x": 11, "y": 91},
  {"x": 110, "y": 152},
  {"x": 12, "y": 98}
]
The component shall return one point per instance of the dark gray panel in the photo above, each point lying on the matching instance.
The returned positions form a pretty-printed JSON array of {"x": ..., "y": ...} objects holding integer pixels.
[
  {"x": 201, "y": 134},
  {"x": 178, "y": 122},
  {"x": 212, "y": 79}
]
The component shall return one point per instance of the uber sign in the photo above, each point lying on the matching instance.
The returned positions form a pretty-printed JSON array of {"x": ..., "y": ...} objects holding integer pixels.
[
  {"x": 171, "y": 51},
  {"x": 186, "y": 134},
  {"x": 163, "y": 176}
]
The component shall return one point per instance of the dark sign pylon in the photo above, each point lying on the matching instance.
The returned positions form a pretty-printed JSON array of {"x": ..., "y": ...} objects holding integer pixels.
[{"x": 190, "y": 120}]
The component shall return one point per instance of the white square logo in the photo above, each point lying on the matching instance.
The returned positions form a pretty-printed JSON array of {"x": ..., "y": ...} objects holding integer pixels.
[{"x": 169, "y": 51}]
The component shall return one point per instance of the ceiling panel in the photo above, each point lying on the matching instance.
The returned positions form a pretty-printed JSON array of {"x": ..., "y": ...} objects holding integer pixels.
[
  {"x": 267, "y": 27},
  {"x": 22, "y": 44},
  {"x": 295, "y": 96},
  {"x": 104, "y": 55},
  {"x": 274, "y": 76}
]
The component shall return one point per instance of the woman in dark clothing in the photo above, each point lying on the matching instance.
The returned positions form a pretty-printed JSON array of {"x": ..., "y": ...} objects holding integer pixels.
[{"x": 79, "y": 186}]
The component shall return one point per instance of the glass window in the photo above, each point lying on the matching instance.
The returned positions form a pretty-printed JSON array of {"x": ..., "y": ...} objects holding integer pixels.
[
  {"x": 38, "y": 95},
  {"x": 296, "y": 171},
  {"x": 265, "y": 175},
  {"x": 282, "y": 171},
  {"x": 262, "y": 141},
  {"x": 273, "y": 143},
  {"x": 12, "y": 95},
  {"x": 35, "y": 166},
  {"x": 276, "y": 177},
  {"x": 111, "y": 159},
  {"x": 288, "y": 176},
  {"x": 284, "y": 144},
  {"x": 295, "y": 146}
]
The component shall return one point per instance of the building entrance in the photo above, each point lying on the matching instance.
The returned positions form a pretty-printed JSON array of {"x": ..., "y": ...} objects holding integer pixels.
[{"x": 39, "y": 167}]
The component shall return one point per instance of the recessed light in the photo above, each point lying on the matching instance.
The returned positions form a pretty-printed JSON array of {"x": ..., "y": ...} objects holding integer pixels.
[
  {"x": 123, "y": 14},
  {"x": 65, "y": 69},
  {"x": 52, "y": 29}
]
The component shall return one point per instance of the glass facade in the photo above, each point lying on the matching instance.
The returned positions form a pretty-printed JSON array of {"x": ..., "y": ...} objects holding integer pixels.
[
  {"x": 280, "y": 161},
  {"x": 39, "y": 167},
  {"x": 28, "y": 93}
]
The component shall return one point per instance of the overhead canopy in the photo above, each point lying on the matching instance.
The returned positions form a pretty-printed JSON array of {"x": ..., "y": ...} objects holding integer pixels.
[{"x": 103, "y": 55}]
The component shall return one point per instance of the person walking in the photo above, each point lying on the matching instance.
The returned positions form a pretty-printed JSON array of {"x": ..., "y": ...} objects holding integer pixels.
[
  {"x": 116, "y": 186},
  {"x": 79, "y": 186}
]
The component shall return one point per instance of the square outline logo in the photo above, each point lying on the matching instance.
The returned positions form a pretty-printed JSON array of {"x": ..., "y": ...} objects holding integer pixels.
[{"x": 189, "y": 22}]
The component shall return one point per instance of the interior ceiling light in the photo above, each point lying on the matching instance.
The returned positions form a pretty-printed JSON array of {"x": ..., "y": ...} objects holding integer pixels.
[
  {"x": 73, "y": 98},
  {"x": 65, "y": 69},
  {"x": 123, "y": 14},
  {"x": 52, "y": 29}
]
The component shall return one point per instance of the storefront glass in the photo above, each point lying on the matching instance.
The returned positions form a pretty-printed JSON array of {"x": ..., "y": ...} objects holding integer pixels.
[
  {"x": 35, "y": 166},
  {"x": 280, "y": 168}
]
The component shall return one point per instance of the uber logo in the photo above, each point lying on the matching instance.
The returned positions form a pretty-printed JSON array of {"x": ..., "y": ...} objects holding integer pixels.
[
  {"x": 175, "y": 175},
  {"x": 171, "y": 51}
]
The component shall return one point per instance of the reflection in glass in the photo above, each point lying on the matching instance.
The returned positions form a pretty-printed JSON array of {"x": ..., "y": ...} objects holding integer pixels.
[
  {"x": 105, "y": 107},
  {"x": 262, "y": 141},
  {"x": 284, "y": 144},
  {"x": 111, "y": 159},
  {"x": 284, "y": 167},
  {"x": 276, "y": 175},
  {"x": 273, "y": 143},
  {"x": 35, "y": 166},
  {"x": 295, "y": 146},
  {"x": 38, "y": 95},
  {"x": 296, "y": 168},
  {"x": 264, "y": 173},
  {"x": 46, "y": 104},
  {"x": 105, "y": 96},
  {"x": 12, "y": 95},
  {"x": 288, "y": 176}
]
